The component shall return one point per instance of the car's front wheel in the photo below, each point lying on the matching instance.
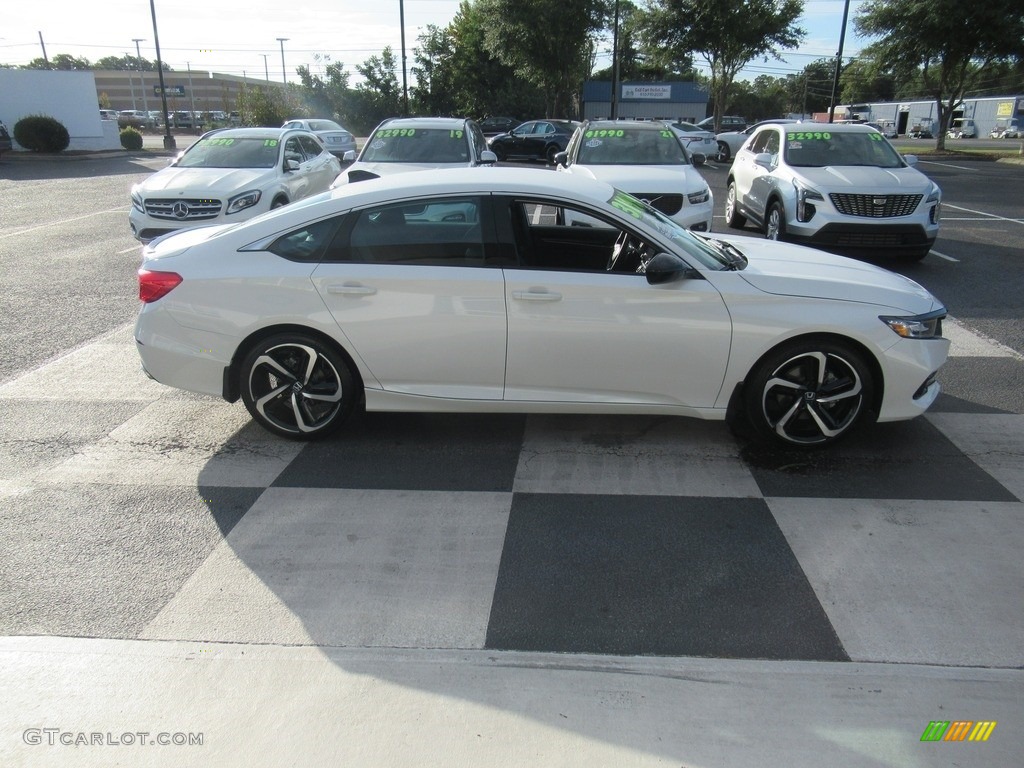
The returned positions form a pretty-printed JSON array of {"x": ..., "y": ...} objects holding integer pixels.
[
  {"x": 775, "y": 222},
  {"x": 724, "y": 153},
  {"x": 297, "y": 386},
  {"x": 550, "y": 152},
  {"x": 733, "y": 217},
  {"x": 809, "y": 393}
]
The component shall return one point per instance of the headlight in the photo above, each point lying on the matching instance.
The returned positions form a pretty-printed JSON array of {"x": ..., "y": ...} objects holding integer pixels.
[
  {"x": 243, "y": 201},
  {"x": 936, "y": 198},
  {"x": 927, "y": 326},
  {"x": 696, "y": 198},
  {"x": 137, "y": 202},
  {"x": 805, "y": 209}
]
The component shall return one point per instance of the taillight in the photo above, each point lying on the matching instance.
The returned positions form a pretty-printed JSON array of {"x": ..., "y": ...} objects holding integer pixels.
[{"x": 156, "y": 285}]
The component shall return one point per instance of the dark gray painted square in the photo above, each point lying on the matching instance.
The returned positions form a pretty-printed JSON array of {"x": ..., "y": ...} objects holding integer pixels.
[
  {"x": 654, "y": 575},
  {"x": 102, "y": 560},
  {"x": 413, "y": 451},
  {"x": 901, "y": 460}
]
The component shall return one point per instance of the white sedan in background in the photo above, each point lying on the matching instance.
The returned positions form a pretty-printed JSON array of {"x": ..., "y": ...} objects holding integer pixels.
[
  {"x": 463, "y": 291},
  {"x": 229, "y": 176}
]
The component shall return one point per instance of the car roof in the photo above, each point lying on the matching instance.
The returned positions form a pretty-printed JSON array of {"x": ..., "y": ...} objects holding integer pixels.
[
  {"x": 424, "y": 122},
  {"x": 644, "y": 125},
  {"x": 835, "y": 127},
  {"x": 251, "y": 133},
  {"x": 526, "y": 182}
]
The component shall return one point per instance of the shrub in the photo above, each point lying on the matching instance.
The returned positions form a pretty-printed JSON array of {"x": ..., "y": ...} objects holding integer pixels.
[
  {"x": 131, "y": 139},
  {"x": 41, "y": 133}
]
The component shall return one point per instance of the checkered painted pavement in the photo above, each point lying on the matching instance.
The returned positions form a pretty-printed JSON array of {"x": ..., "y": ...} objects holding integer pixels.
[{"x": 144, "y": 512}]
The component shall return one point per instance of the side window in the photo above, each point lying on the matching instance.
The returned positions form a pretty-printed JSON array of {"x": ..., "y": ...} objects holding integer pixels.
[
  {"x": 309, "y": 145},
  {"x": 293, "y": 150},
  {"x": 565, "y": 238},
  {"x": 760, "y": 142},
  {"x": 430, "y": 232},
  {"x": 305, "y": 244}
]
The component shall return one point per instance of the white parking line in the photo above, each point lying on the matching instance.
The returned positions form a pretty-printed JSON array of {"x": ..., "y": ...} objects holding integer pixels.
[
  {"x": 982, "y": 213},
  {"x": 65, "y": 221},
  {"x": 134, "y": 248},
  {"x": 944, "y": 165},
  {"x": 933, "y": 252}
]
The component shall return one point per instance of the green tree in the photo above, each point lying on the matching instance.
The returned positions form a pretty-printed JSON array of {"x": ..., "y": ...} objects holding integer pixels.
[
  {"x": 727, "y": 35},
  {"x": 947, "y": 44},
  {"x": 265, "y": 105},
  {"x": 639, "y": 63},
  {"x": 127, "y": 62},
  {"x": 327, "y": 92},
  {"x": 379, "y": 95},
  {"x": 549, "y": 43},
  {"x": 433, "y": 92},
  {"x": 61, "y": 61},
  {"x": 863, "y": 81}
]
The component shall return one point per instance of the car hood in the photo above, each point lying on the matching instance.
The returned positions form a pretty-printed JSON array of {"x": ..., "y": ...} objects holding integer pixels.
[
  {"x": 644, "y": 178},
  {"x": 839, "y": 178},
  {"x": 207, "y": 182},
  {"x": 793, "y": 270},
  {"x": 390, "y": 169}
]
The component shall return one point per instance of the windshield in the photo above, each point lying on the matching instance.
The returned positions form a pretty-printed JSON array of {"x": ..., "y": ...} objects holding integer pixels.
[
  {"x": 630, "y": 146},
  {"x": 324, "y": 125},
  {"x": 696, "y": 248},
  {"x": 416, "y": 145},
  {"x": 817, "y": 149},
  {"x": 224, "y": 152}
]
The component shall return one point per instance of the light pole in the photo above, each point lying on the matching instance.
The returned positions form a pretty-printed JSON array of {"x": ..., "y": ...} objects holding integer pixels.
[
  {"x": 131, "y": 81},
  {"x": 142, "y": 77},
  {"x": 405, "y": 86},
  {"x": 191, "y": 94},
  {"x": 839, "y": 64},
  {"x": 284, "y": 75},
  {"x": 266, "y": 69}
]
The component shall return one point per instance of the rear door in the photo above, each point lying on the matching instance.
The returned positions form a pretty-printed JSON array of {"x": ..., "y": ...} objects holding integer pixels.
[{"x": 409, "y": 289}]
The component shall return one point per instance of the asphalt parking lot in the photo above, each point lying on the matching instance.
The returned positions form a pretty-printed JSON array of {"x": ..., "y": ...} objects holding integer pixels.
[{"x": 494, "y": 590}]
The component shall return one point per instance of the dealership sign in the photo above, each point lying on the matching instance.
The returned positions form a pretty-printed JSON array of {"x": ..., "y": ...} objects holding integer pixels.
[
  {"x": 171, "y": 90},
  {"x": 647, "y": 92}
]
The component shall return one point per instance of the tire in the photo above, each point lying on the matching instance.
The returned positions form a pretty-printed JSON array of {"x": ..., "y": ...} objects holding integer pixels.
[
  {"x": 733, "y": 217},
  {"x": 298, "y": 387},
  {"x": 279, "y": 202},
  {"x": 550, "y": 152},
  {"x": 809, "y": 393},
  {"x": 775, "y": 222},
  {"x": 724, "y": 153},
  {"x": 499, "y": 153}
]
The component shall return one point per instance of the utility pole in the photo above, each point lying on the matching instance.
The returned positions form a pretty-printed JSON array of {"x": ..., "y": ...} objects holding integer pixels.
[
  {"x": 615, "y": 64},
  {"x": 142, "y": 77},
  {"x": 168, "y": 139},
  {"x": 405, "y": 85},
  {"x": 284, "y": 74},
  {"x": 266, "y": 69},
  {"x": 131, "y": 82},
  {"x": 43, "y": 45},
  {"x": 839, "y": 63}
]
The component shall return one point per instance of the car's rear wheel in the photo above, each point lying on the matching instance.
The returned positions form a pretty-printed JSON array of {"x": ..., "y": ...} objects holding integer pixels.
[
  {"x": 499, "y": 153},
  {"x": 733, "y": 217},
  {"x": 809, "y": 393},
  {"x": 724, "y": 153},
  {"x": 297, "y": 386},
  {"x": 775, "y": 222},
  {"x": 550, "y": 152}
]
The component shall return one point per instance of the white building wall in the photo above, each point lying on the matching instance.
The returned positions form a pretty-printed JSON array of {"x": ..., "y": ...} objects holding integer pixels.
[{"x": 69, "y": 97}]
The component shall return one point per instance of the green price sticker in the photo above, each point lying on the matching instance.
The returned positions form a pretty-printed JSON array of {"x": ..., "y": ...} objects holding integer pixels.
[
  {"x": 454, "y": 134},
  {"x": 270, "y": 143},
  {"x": 219, "y": 142},
  {"x": 605, "y": 133},
  {"x": 808, "y": 136},
  {"x": 391, "y": 133}
]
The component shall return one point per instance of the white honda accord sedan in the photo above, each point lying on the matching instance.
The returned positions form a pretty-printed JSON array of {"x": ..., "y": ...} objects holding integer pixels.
[{"x": 464, "y": 291}]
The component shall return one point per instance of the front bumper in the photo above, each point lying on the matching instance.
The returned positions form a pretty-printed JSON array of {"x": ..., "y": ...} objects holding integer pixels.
[{"x": 866, "y": 239}]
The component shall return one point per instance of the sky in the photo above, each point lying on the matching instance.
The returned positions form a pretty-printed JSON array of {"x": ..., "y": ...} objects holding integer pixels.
[{"x": 241, "y": 38}]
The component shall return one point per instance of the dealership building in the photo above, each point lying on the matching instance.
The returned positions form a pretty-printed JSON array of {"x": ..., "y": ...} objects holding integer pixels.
[
  {"x": 685, "y": 101},
  {"x": 985, "y": 112}
]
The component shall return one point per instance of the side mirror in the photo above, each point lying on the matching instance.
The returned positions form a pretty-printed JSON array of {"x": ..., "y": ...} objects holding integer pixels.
[
  {"x": 562, "y": 158},
  {"x": 763, "y": 159},
  {"x": 664, "y": 268},
  {"x": 487, "y": 157},
  {"x": 291, "y": 165},
  {"x": 698, "y": 158},
  {"x": 349, "y": 156},
  {"x": 910, "y": 159}
]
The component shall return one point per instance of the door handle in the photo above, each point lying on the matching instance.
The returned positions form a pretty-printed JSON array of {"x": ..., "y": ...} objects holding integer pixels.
[
  {"x": 536, "y": 295},
  {"x": 350, "y": 289}
]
